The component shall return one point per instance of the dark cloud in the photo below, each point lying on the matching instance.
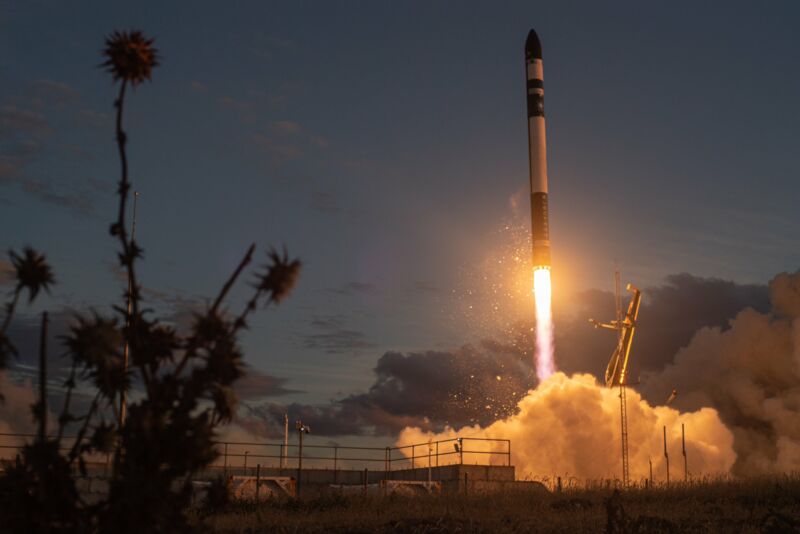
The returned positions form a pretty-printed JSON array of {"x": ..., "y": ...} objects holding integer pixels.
[
  {"x": 354, "y": 288},
  {"x": 26, "y": 136},
  {"x": 324, "y": 202},
  {"x": 332, "y": 336},
  {"x": 428, "y": 389},
  {"x": 76, "y": 200},
  {"x": 256, "y": 385}
]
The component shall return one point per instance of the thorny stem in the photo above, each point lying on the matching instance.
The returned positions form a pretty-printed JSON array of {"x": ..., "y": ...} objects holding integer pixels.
[
  {"x": 62, "y": 420},
  {"x": 128, "y": 246},
  {"x": 73, "y": 453},
  {"x": 192, "y": 347},
  {"x": 10, "y": 309},
  {"x": 248, "y": 257},
  {"x": 43, "y": 379}
]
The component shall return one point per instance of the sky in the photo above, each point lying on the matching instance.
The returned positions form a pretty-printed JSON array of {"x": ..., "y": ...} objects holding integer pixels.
[{"x": 384, "y": 144}]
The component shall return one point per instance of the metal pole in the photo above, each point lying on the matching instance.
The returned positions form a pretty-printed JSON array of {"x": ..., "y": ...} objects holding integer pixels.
[
  {"x": 508, "y": 441},
  {"x": 461, "y": 450},
  {"x": 683, "y": 446},
  {"x": 300, "y": 464},
  {"x": 430, "y": 447},
  {"x": 437, "y": 454},
  {"x": 245, "y": 462},
  {"x": 413, "y": 455},
  {"x": 666, "y": 455},
  {"x": 650, "y": 461},
  {"x": 258, "y": 480},
  {"x": 285, "y": 439}
]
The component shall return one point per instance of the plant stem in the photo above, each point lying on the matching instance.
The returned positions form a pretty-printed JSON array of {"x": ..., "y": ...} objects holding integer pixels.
[
  {"x": 10, "y": 309},
  {"x": 192, "y": 346},
  {"x": 73, "y": 453},
  {"x": 68, "y": 397},
  {"x": 43, "y": 379}
]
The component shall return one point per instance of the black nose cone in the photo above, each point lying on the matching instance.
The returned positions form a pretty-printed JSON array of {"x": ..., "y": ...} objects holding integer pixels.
[{"x": 533, "y": 48}]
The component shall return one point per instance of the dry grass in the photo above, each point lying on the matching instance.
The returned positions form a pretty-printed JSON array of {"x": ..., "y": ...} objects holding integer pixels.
[{"x": 761, "y": 505}]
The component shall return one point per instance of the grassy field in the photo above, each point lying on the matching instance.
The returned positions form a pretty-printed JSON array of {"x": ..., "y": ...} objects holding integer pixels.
[{"x": 762, "y": 505}]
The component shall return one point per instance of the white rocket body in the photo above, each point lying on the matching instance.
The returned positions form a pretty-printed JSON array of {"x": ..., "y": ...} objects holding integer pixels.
[{"x": 537, "y": 152}]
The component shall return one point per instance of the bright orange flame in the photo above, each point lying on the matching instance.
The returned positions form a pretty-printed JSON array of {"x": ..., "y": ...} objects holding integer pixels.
[{"x": 545, "y": 366}]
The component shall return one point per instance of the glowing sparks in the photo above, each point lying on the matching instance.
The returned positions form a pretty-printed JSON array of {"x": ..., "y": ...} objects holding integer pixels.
[{"x": 545, "y": 366}]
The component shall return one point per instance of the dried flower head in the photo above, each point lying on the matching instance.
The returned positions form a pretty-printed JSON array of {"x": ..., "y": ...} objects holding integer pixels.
[
  {"x": 280, "y": 276},
  {"x": 130, "y": 56},
  {"x": 32, "y": 272}
]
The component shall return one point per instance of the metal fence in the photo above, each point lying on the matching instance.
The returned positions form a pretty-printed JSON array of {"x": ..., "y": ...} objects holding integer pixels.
[{"x": 239, "y": 456}]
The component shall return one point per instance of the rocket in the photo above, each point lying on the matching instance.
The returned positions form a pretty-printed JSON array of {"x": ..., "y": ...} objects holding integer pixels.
[{"x": 537, "y": 152}]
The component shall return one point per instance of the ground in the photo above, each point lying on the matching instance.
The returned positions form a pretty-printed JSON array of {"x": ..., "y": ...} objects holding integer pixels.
[{"x": 762, "y": 505}]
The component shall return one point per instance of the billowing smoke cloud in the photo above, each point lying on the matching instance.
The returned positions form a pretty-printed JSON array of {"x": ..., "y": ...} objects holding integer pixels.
[
  {"x": 569, "y": 426},
  {"x": 484, "y": 381},
  {"x": 750, "y": 372}
]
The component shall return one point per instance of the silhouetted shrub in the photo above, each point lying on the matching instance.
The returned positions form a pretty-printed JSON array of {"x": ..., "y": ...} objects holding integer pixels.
[{"x": 159, "y": 441}]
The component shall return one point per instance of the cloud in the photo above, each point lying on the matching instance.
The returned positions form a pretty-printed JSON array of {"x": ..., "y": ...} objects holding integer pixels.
[
  {"x": 278, "y": 152},
  {"x": 749, "y": 370},
  {"x": 199, "y": 87},
  {"x": 16, "y": 122},
  {"x": 285, "y": 127},
  {"x": 353, "y": 288},
  {"x": 287, "y": 140},
  {"x": 49, "y": 92},
  {"x": 7, "y": 273},
  {"x": 569, "y": 426},
  {"x": 324, "y": 202},
  {"x": 256, "y": 385},
  {"x": 77, "y": 200},
  {"x": 427, "y": 389},
  {"x": 333, "y": 337},
  {"x": 28, "y": 136}
]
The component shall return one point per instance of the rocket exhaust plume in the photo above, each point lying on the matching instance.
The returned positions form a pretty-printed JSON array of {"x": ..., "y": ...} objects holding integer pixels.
[
  {"x": 545, "y": 366},
  {"x": 540, "y": 225}
]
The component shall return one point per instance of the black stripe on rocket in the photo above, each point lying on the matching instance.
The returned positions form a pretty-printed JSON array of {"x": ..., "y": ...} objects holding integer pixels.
[
  {"x": 541, "y": 228},
  {"x": 535, "y": 98}
]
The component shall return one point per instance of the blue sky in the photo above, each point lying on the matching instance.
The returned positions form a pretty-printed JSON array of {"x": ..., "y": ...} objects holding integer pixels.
[{"x": 385, "y": 145}]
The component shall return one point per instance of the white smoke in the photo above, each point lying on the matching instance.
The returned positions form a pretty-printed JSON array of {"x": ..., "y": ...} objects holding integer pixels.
[
  {"x": 570, "y": 426},
  {"x": 750, "y": 372}
]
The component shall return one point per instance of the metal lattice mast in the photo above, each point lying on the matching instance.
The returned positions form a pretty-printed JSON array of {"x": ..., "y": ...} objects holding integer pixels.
[
  {"x": 623, "y": 411},
  {"x": 617, "y": 370},
  {"x": 623, "y": 403}
]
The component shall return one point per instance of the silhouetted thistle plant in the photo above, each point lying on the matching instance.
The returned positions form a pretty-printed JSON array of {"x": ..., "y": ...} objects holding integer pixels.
[{"x": 187, "y": 380}]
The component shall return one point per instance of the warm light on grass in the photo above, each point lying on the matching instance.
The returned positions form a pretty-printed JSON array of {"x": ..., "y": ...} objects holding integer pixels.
[{"x": 545, "y": 365}]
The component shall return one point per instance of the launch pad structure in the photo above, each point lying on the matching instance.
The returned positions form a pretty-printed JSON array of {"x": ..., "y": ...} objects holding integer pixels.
[{"x": 617, "y": 369}]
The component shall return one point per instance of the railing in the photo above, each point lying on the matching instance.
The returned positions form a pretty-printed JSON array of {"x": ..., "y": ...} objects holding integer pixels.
[{"x": 239, "y": 456}]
